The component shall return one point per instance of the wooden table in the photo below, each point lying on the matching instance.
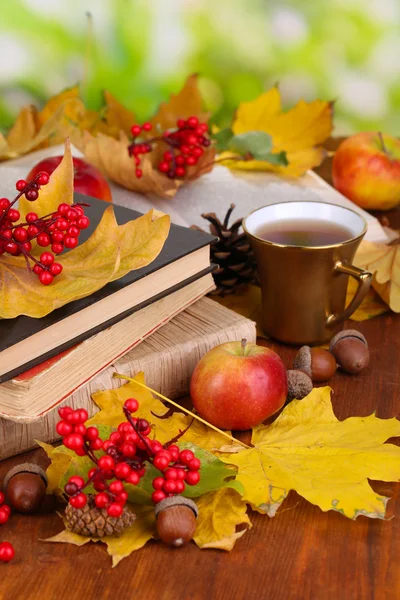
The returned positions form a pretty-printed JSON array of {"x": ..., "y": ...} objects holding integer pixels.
[{"x": 302, "y": 553}]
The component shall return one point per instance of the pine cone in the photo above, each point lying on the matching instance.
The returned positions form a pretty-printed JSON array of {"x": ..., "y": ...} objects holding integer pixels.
[
  {"x": 95, "y": 522},
  {"x": 233, "y": 254}
]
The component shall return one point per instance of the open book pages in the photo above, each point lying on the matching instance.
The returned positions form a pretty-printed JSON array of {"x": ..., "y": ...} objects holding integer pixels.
[{"x": 213, "y": 192}]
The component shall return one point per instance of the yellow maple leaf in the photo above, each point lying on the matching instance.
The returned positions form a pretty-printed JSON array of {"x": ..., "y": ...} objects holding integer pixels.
[
  {"x": 326, "y": 461},
  {"x": 117, "y": 116},
  {"x": 299, "y": 132},
  {"x": 220, "y": 513},
  {"x": 383, "y": 261},
  {"x": 109, "y": 253}
]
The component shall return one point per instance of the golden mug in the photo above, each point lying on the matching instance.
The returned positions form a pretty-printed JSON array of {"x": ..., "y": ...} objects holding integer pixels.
[{"x": 304, "y": 287}]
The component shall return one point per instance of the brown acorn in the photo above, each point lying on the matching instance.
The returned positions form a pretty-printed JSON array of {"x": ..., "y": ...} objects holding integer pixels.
[
  {"x": 299, "y": 384},
  {"x": 350, "y": 348},
  {"x": 176, "y": 520},
  {"x": 318, "y": 363},
  {"x": 25, "y": 486}
]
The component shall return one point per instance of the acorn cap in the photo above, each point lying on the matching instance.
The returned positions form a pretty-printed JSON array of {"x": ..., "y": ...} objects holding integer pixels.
[
  {"x": 299, "y": 384},
  {"x": 175, "y": 501},
  {"x": 345, "y": 334},
  {"x": 25, "y": 468},
  {"x": 302, "y": 360}
]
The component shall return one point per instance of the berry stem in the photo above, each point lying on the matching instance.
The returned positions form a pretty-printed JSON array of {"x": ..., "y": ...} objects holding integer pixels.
[
  {"x": 141, "y": 437},
  {"x": 18, "y": 196}
]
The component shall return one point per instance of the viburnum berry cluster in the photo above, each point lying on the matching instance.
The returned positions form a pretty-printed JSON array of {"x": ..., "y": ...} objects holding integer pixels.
[
  {"x": 125, "y": 456},
  {"x": 185, "y": 145},
  {"x": 57, "y": 230},
  {"x": 6, "y": 550}
]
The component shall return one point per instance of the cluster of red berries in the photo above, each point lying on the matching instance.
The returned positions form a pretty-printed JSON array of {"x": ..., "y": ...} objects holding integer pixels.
[
  {"x": 185, "y": 145},
  {"x": 6, "y": 550},
  {"x": 123, "y": 460},
  {"x": 58, "y": 230}
]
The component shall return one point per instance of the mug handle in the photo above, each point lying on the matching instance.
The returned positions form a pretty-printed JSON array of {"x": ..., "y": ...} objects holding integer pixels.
[{"x": 364, "y": 281}]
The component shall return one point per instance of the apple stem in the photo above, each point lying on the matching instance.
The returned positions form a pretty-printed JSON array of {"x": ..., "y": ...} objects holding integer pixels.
[
  {"x": 380, "y": 136},
  {"x": 243, "y": 343}
]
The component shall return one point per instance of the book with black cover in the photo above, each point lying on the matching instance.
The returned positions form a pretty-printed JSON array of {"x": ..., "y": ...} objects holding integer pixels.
[{"x": 180, "y": 243}]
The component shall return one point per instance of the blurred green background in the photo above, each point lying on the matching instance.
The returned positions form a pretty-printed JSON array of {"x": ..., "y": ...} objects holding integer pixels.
[{"x": 141, "y": 50}]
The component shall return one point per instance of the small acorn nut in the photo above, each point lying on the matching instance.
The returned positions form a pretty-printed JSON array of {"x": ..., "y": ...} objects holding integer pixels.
[
  {"x": 25, "y": 487},
  {"x": 350, "y": 348},
  {"x": 176, "y": 520},
  {"x": 318, "y": 363},
  {"x": 299, "y": 384}
]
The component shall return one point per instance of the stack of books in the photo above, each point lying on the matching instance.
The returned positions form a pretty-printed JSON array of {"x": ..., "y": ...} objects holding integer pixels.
[{"x": 66, "y": 356}]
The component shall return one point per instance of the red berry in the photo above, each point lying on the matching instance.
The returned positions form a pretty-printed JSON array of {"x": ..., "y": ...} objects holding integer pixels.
[
  {"x": 78, "y": 501},
  {"x": 157, "y": 496},
  {"x": 179, "y": 486},
  {"x": 186, "y": 456},
  {"x": 194, "y": 464},
  {"x": 79, "y": 481},
  {"x": 171, "y": 174},
  {"x": 158, "y": 483},
  {"x": 192, "y": 140},
  {"x": 81, "y": 429},
  {"x": 20, "y": 185},
  {"x": 2, "y": 498},
  {"x": 46, "y": 278},
  {"x": 133, "y": 478},
  {"x": 7, "y": 509},
  {"x": 156, "y": 446},
  {"x": 46, "y": 258},
  {"x": 122, "y": 498},
  {"x": 32, "y": 230},
  {"x": 99, "y": 485},
  {"x": 20, "y": 234},
  {"x": 181, "y": 123},
  {"x": 32, "y": 195},
  {"x": 192, "y": 122},
  {"x": 163, "y": 167},
  {"x": 142, "y": 425},
  {"x": 57, "y": 248},
  {"x": 61, "y": 224},
  {"x": 192, "y": 477},
  {"x": 206, "y": 142},
  {"x": 56, "y": 269},
  {"x": 73, "y": 230},
  {"x": 161, "y": 463},
  {"x": 106, "y": 463},
  {"x": 131, "y": 404},
  {"x": 115, "y": 510},
  {"x": 180, "y": 171},
  {"x": 7, "y": 552},
  {"x": 191, "y": 161},
  {"x": 169, "y": 486},
  {"x": 43, "y": 239},
  {"x": 128, "y": 450},
  {"x": 180, "y": 160},
  {"x": 102, "y": 500},
  {"x": 64, "y": 411},
  {"x": 73, "y": 441},
  {"x": 171, "y": 473},
  {"x": 43, "y": 178},
  {"x": 63, "y": 428},
  {"x": 13, "y": 215},
  {"x": 116, "y": 487},
  {"x": 82, "y": 415},
  {"x": 27, "y": 246},
  {"x": 11, "y": 247},
  {"x": 107, "y": 444},
  {"x": 197, "y": 151},
  {"x": 57, "y": 236},
  {"x": 72, "y": 215},
  {"x": 147, "y": 126},
  {"x": 63, "y": 208},
  {"x": 92, "y": 472},
  {"x": 135, "y": 130},
  {"x": 96, "y": 444},
  {"x": 4, "y": 515},
  {"x": 4, "y": 203},
  {"x": 122, "y": 470},
  {"x": 181, "y": 474},
  {"x": 70, "y": 241},
  {"x": 115, "y": 437},
  {"x": 139, "y": 173},
  {"x": 92, "y": 433},
  {"x": 174, "y": 452}
]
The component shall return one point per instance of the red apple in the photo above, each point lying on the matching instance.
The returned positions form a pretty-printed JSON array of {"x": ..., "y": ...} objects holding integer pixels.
[
  {"x": 87, "y": 179},
  {"x": 366, "y": 169},
  {"x": 238, "y": 385}
]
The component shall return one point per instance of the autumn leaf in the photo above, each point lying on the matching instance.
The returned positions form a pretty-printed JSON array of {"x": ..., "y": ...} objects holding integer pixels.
[
  {"x": 372, "y": 305},
  {"x": 109, "y": 253},
  {"x": 220, "y": 513},
  {"x": 326, "y": 461},
  {"x": 299, "y": 132},
  {"x": 116, "y": 116},
  {"x": 383, "y": 261}
]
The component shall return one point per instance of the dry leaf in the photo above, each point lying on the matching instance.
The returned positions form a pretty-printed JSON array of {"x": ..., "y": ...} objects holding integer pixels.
[
  {"x": 117, "y": 116},
  {"x": 383, "y": 261},
  {"x": 109, "y": 253},
  {"x": 372, "y": 306},
  {"x": 220, "y": 513},
  {"x": 299, "y": 132},
  {"x": 326, "y": 461}
]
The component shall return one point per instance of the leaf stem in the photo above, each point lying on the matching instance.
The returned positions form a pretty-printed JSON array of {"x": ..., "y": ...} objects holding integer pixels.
[{"x": 185, "y": 410}]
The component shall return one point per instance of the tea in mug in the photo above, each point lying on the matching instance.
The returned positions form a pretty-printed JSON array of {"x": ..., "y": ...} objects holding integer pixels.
[{"x": 303, "y": 232}]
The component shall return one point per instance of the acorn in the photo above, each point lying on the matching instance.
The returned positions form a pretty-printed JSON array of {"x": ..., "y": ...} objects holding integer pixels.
[
  {"x": 350, "y": 348},
  {"x": 25, "y": 486},
  {"x": 299, "y": 384},
  {"x": 176, "y": 520},
  {"x": 318, "y": 363}
]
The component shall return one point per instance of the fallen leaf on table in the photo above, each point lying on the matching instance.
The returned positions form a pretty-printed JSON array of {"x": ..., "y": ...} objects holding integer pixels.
[
  {"x": 299, "y": 132},
  {"x": 220, "y": 513},
  {"x": 326, "y": 461},
  {"x": 383, "y": 261}
]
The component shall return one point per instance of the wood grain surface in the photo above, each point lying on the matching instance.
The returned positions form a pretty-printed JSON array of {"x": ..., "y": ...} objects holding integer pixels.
[{"x": 302, "y": 553}]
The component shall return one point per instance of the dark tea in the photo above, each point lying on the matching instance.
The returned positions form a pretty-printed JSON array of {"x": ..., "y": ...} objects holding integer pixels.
[{"x": 303, "y": 232}]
